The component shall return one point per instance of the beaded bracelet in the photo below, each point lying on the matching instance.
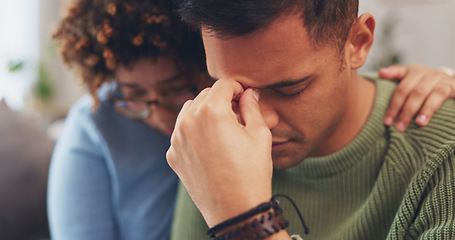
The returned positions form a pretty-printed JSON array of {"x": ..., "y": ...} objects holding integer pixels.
[
  {"x": 268, "y": 224},
  {"x": 263, "y": 207}
]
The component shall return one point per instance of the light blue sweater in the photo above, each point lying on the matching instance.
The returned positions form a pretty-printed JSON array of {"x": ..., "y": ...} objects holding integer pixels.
[{"x": 109, "y": 178}]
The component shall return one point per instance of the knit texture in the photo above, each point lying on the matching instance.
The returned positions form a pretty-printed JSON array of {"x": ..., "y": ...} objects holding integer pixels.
[{"x": 383, "y": 185}]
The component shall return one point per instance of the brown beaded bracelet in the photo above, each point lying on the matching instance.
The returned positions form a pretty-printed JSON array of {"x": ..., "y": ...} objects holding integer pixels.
[
  {"x": 263, "y": 207},
  {"x": 267, "y": 225}
]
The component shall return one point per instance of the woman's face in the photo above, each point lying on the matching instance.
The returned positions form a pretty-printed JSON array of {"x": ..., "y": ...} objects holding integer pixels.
[{"x": 148, "y": 80}]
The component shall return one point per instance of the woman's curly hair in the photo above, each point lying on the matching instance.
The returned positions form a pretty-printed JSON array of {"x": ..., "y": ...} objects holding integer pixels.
[{"x": 96, "y": 36}]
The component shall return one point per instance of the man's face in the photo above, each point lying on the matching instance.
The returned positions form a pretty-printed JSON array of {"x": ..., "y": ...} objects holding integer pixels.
[{"x": 304, "y": 91}]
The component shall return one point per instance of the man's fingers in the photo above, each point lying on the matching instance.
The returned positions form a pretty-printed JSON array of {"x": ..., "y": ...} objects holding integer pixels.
[
  {"x": 249, "y": 110},
  {"x": 224, "y": 91},
  {"x": 183, "y": 111},
  {"x": 201, "y": 96},
  {"x": 187, "y": 106}
]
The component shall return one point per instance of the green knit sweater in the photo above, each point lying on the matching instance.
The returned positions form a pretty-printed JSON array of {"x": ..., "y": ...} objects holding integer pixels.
[{"x": 383, "y": 185}]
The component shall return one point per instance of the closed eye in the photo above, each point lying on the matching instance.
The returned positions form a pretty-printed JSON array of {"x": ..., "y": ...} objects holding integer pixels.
[
  {"x": 287, "y": 88},
  {"x": 289, "y": 92},
  {"x": 292, "y": 89}
]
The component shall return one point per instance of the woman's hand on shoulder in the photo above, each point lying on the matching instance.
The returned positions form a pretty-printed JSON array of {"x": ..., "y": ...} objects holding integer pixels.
[{"x": 420, "y": 92}]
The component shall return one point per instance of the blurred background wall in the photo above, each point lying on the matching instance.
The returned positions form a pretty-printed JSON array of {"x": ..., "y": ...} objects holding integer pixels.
[
  {"x": 417, "y": 31},
  {"x": 33, "y": 79}
]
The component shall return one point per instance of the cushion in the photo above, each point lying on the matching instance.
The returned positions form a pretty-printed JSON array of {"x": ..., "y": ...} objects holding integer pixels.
[{"x": 25, "y": 152}]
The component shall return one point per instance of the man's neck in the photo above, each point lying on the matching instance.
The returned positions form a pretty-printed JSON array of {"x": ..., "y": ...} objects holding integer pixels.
[{"x": 358, "y": 110}]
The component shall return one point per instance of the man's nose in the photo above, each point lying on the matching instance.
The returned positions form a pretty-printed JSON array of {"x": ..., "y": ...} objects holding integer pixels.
[{"x": 269, "y": 114}]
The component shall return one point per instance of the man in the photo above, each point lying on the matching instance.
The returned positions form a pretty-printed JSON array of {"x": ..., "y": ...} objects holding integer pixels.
[{"x": 287, "y": 85}]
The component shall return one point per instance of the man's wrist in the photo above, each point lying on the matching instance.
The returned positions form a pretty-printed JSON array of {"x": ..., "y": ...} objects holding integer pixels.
[
  {"x": 240, "y": 219},
  {"x": 267, "y": 225},
  {"x": 262, "y": 221}
]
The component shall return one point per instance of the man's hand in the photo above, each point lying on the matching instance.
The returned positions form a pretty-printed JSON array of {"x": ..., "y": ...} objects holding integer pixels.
[
  {"x": 225, "y": 164},
  {"x": 421, "y": 90}
]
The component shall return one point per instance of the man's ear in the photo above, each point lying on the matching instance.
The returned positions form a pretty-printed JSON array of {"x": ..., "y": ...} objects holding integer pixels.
[{"x": 359, "y": 40}]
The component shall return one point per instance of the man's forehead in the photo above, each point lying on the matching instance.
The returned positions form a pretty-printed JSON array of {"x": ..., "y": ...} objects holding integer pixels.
[
  {"x": 282, "y": 34},
  {"x": 271, "y": 50},
  {"x": 286, "y": 26}
]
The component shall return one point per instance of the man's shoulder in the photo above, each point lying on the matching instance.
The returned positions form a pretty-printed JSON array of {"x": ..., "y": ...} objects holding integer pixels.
[
  {"x": 439, "y": 134},
  {"x": 424, "y": 149},
  {"x": 431, "y": 188}
]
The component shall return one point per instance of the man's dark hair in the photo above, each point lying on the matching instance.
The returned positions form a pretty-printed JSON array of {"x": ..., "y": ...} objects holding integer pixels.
[{"x": 327, "y": 21}]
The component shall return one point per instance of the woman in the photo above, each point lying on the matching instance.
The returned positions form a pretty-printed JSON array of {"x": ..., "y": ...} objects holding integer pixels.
[{"x": 109, "y": 178}]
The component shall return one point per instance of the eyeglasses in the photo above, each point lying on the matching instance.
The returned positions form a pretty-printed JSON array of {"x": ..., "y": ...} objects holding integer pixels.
[{"x": 141, "y": 109}]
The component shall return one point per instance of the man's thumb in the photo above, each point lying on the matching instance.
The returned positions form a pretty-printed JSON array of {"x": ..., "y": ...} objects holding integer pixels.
[{"x": 249, "y": 108}]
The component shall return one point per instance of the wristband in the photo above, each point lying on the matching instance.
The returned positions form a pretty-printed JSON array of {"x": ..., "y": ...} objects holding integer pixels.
[
  {"x": 263, "y": 207},
  {"x": 267, "y": 225}
]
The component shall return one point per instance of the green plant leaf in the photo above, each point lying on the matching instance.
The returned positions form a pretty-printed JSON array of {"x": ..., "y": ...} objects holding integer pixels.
[
  {"x": 15, "y": 66},
  {"x": 43, "y": 88}
]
